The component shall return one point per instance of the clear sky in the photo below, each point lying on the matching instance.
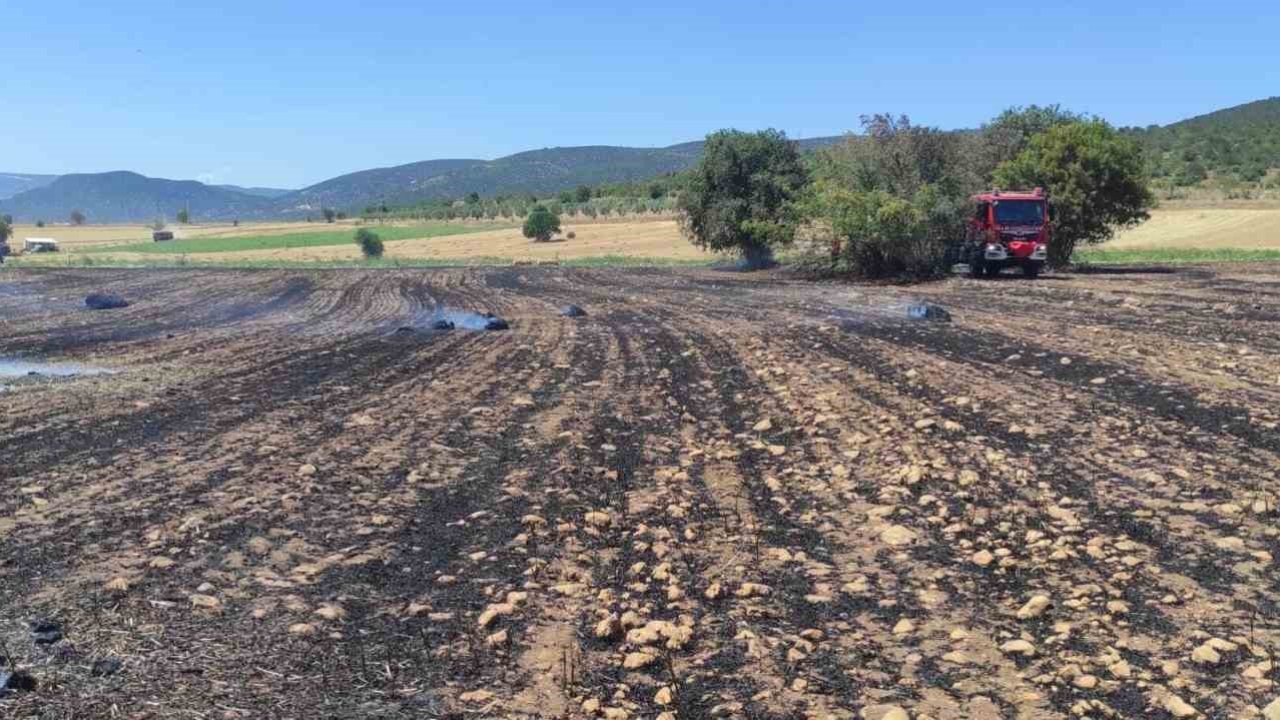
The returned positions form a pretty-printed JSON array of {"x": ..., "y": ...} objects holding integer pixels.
[{"x": 286, "y": 94}]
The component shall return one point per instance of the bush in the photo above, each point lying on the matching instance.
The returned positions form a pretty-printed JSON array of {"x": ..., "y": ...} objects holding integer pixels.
[
  {"x": 876, "y": 234},
  {"x": 891, "y": 201},
  {"x": 370, "y": 244},
  {"x": 39, "y": 223},
  {"x": 329, "y": 214},
  {"x": 541, "y": 224},
  {"x": 77, "y": 217},
  {"x": 571, "y": 235}
]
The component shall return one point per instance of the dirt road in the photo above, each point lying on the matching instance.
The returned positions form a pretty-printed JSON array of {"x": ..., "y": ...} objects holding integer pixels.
[{"x": 716, "y": 495}]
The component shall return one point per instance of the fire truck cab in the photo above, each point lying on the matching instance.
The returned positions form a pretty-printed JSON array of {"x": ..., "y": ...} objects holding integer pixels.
[{"x": 1007, "y": 229}]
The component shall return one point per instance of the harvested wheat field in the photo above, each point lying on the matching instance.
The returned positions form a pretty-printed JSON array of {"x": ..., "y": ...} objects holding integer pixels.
[
  {"x": 654, "y": 238},
  {"x": 1204, "y": 228},
  {"x": 715, "y": 495}
]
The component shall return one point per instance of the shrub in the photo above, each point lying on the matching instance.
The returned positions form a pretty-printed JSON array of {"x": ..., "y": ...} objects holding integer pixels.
[
  {"x": 571, "y": 235},
  {"x": 541, "y": 224},
  {"x": 877, "y": 234},
  {"x": 39, "y": 223},
  {"x": 891, "y": 201},
  {"x": 370, "y": 244},
  {"x": 329, "y": 214},
  {"x": 77, "y": 217}
]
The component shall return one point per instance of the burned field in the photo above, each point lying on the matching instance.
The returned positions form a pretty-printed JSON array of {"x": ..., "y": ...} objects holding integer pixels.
[{"x": 713, "y": 495}]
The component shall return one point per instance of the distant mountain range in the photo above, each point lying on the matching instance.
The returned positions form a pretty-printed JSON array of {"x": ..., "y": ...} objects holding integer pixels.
[
  {"x": 13, "y": 183},
  {"x": 130, "y": 197},
  {"x": 1243, "y": 139},
  {"x": 265, "y": 192}
]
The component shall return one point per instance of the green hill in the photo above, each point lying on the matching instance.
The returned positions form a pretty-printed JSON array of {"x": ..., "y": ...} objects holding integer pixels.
[
  {"x": 1241, "y": 143},
  {"x": 129, "y": 197}
]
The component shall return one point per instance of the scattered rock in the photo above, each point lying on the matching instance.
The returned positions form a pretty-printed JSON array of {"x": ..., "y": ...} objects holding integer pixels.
[
  {"x": 572, "y": 311},
  {"x": 1019, "y": 647},
  {"x": 307, "y": 470},
  {"x": 983, "y": 558},
  {"x": 497, "y": 639},
  {"x": 1085, "y": 682},
  {"x": 884, "y": 712},
  {"x": 751, "y": 589},
  {"x": 764, "y": 425},
  {"x": 476, "y": 696},
  {"x": 105, "y": 301},
  {"x": 331, "y": 612},
  {"x": 597, "y": 518},
  {"x": 46, "y": 632},
  {"x": 1210, "y": 652},
  {"x": 1272, "y": 711},
  {"x": 904, "y": 627},
  {"x": 638, "y": 660},
  {"x": 117, "y": 585},
  {"x": 1177, "y": 707},
  {"x": 664, "y": 696},
  {"x": 607, "y": 627},
  {"x": 897, "y": 536},
  {"x": 1035, "y": 607},
  {"x": 302, "y": 629},
  {"x": 493, "y": 612},
  {"x": 208, "y": 602}
]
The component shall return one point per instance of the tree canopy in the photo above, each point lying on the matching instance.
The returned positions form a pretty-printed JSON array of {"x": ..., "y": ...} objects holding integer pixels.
[
  {"x": 741, "y": 196},
  {"x": 1096, "y": 181},
  {"x": 541, "y": 224}
]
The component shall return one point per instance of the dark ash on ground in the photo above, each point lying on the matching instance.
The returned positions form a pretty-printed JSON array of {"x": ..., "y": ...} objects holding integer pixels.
[{"x": 843, "y": 507}]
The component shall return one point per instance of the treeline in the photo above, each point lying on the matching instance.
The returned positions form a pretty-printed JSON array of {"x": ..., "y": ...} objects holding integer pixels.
[
  {"x": 651, "y": 197},
  {"x": 1228, "y": 148},
  {"x": 894, "y": 199}
]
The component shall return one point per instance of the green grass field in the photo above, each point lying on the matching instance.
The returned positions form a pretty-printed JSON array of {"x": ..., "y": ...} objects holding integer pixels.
[
  {"x": 320, "y": 238},
  {"x": 1175, "y": 255}
]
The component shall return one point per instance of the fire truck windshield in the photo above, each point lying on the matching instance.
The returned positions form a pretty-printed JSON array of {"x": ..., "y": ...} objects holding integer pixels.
[{"x": 1019, "y": 212}]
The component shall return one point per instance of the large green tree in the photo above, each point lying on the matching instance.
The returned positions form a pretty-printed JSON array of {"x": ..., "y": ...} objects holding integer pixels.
[
  {"x": 742, "y": 194},
  {"x": 1011, "y": 132},
  {"x": 1095, "y": 178}
]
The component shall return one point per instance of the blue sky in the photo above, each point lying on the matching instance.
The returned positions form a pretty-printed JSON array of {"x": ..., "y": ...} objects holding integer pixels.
[{"x": 288, "y": 94}]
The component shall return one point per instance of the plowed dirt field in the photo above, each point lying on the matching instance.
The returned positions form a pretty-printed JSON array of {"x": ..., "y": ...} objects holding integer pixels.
[{"x": 716, "y": 495}]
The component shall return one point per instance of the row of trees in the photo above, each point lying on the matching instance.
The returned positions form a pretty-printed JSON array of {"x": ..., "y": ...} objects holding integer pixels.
[
  {"x": 509, "y": 208},
  {"x": 890, "y": 200}
]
